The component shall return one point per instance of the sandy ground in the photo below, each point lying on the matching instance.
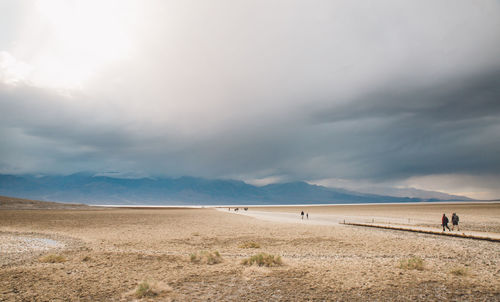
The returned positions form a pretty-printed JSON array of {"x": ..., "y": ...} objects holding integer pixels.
[{"x": 109, "y": 252}]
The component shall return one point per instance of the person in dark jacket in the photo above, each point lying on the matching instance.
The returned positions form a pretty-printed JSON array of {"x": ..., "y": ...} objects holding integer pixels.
[
  {"x": 454, "y": 222},
  {"x": 302, "y": 214},
  {"x": 444, "y": 222}
]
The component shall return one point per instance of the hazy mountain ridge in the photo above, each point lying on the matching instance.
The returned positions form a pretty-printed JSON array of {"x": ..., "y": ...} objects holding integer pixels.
[
  {"x": 91, "y": 189},
  {"x": 411, "y": 192}
]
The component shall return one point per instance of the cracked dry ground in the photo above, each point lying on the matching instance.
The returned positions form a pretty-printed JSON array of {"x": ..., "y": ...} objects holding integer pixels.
[{"x": 109, "y": 252}]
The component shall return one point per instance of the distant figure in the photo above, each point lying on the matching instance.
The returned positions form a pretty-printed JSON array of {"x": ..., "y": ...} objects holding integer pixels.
[
  {"x": 444, "y": 222},
  {"x": 302, "y": 214},
  {"x": 454, "y": 222},
  {"x": 307, "y": 215}
]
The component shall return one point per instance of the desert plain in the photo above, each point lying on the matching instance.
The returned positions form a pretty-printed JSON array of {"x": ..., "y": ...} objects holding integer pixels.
[{"x": 106, "y": 254}]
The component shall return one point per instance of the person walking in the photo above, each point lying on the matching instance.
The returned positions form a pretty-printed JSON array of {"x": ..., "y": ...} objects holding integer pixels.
[
  {"x": 307, "y": 215},
  {"x": 454, "y": 222},
  {"x": 444, "y": 222},
  {"x": 302, "y": 215}
]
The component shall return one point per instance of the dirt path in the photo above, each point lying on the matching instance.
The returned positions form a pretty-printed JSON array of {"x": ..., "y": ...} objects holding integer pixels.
[{"x": 488, "y": 236}]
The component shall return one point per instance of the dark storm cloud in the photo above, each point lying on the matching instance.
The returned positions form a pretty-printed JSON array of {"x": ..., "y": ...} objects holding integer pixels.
[
  {"x": 42, "y": 113},
  {"x": 451, "y": 126},
  {"x": 283, "y": 90},
  {"x": 451, "y": 99},
  {"x": 448, "y": 127}
]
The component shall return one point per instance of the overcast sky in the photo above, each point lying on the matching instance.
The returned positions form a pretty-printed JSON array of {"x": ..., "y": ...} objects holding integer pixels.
[{"x": 355, "y": 94}]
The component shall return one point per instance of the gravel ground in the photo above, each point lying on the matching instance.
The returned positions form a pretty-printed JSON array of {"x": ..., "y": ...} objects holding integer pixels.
[
  {"x": 22, "y": 244},
  {"x": 16, "y": 248}
]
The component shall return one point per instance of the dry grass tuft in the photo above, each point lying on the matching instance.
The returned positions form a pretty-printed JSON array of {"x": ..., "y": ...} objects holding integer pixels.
[
  {"x": 459, "y": 271},
  {"x": 144, "y": 290},
  {"x": 206, "y": 257},
  {"x": 249, "y": 245},
  {"x": 263, "y": 259},
  {"x": 148, "y": 289},
  {"x": 412, "y": 263},
  {"x": 52, "y": 258}
]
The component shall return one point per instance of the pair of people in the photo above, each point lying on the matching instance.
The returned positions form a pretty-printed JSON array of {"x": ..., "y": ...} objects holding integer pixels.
[
  {"x": 454, "y": 221},
  {"x": 302, "y": 214}
]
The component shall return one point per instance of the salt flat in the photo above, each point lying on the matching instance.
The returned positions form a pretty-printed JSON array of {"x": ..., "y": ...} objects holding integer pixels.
[
  {"x": 372, "y": 218},
  {"x": 108, "y": 252}
]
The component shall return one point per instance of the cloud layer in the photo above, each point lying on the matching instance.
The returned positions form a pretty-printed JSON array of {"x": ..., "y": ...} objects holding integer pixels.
[{"x": 386, "y": 92}]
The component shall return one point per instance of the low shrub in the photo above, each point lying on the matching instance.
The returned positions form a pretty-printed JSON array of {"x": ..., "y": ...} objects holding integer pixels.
[
  {"x": 52, "y": 258},
  {"x": 206, "y": 257},
  {"x": 144, "y": 290},
  {"x": 249, "y": 245},
  {"x": 149, "y": 289},
  {"x": 263, "y": 259},
  {"x": 459, "y": 271},
  {"x": 412, "y": 263}
]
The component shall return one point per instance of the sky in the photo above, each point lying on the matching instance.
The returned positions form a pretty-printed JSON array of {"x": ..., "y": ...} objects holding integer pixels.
[{"x": 361, "y": 95}]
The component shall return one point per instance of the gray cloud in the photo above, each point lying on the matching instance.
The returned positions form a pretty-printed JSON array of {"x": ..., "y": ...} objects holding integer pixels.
[
  {"x": 289, "y": 90},
  {"x": 447, "y": 127}
]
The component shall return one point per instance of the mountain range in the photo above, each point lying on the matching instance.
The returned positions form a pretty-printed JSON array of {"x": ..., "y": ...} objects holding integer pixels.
[{"x": 91, "y": 188}]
